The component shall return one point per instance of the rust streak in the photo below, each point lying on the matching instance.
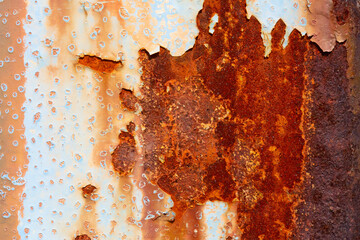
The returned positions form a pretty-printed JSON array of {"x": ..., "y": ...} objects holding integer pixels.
[
  {"x": 125, "y": 155},
  {"x": 99, "y": 64}
]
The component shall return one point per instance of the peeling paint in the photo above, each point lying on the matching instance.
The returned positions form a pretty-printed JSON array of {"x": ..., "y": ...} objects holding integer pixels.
[
  {"x": 164, "y": 120},
  {"x": 214, "y": 20},
  {"x": 314, "y": 18}
]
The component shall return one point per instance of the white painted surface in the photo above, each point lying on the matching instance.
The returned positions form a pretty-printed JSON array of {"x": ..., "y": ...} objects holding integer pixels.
[{"x": 75, "y": 133}]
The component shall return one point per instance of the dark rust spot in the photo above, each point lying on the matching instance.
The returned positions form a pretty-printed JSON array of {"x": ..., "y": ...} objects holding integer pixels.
[
  {"x": 125, "y": 155},
  {"x": 99, "y": 64},
  {"x": 82, "y": 237},
  {"x": 341, "y": 11},
  {"x": 128, "y": 100},
  {"x": 88, "y": 190},
  {"x": 131, "y": 127},
  {"x": 330, "y": 210}
]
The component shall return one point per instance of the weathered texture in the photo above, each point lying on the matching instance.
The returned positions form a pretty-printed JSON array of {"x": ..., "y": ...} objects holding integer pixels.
[
  {"x": 341, "y": 11},
  {"x": 128, "y": 100},
  {"x": 88, "y": 190},
  {"x": 224, "y": 123},
  {"x": 277, "y": 135},
  {"x": 331, "y": 197},
  {"x": 125, "y": 155},
  {"x": 98, "y": 64},
  {"x": 83, "y": 237},
  {"x": 353, "y": 52}
]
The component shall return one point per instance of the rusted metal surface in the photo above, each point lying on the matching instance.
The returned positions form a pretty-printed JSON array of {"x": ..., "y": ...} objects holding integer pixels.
[
  {"x": 316, "y": 19},
  {"x": 88, "y": 190},
  {"x": 330, "y": 207},
  {"x": 331, "y": 193},
  {"x": 128, "y": 100},
  {"x": 83, "y": 237},
  {"x": 229, "y": 122},
  {"x": 125, "y": 154},
  {"x": 98, "y": 64},
  {"x": 224, "y": 123},
  {"x": 158, "y": 120}
]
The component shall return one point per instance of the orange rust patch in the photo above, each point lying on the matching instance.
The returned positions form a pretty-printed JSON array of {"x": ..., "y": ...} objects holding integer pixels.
[
  {"x": 82, "y": 237},
  {"x": 98, "y": 64},
  {"x": 128, "y": 100},
  {"x": 88, "y": 190},
  {"x": 223, "y": 123},
  {"x": 125, "y": 155}
]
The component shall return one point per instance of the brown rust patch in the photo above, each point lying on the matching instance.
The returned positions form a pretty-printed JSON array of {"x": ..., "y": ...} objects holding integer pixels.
[
  {"x": 331, "y": 208},
  {"x": 331, "y": 192},
  {"x": 223, "y": 123},
  {"x": 82, "y": 237},
  {"x": 128, "y": 100},
  {"x": 88, "y": 190},
  {"x": 341, "y": 11},
  {"x": 125, "y": 155},
  {"x": 99, "y": 64}
]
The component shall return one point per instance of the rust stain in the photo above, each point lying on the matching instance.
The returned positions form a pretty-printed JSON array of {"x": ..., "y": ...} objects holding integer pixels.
[
  {"x": 330, "y": 210},
  {"x": 11, "y": 208},
  {"x": 276, "y": 135},
  {"x": 125, "y": 154},
  {"x": 99, "y": 64},
  {"x": 88, "y": 190},
  {"x": 82, "y": 237},
  {"x": 223, "y": 123},
  {"x": 128, "y": 100}
]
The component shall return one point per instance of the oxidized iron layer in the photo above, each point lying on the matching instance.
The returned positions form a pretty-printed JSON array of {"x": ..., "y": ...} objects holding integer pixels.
[
  {"x": 228, "y": 134},
  {"x": 224, "y": 123}
]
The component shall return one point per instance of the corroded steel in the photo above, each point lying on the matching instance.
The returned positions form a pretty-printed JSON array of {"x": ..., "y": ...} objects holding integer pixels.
[{"x": 182, "y": 120}]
